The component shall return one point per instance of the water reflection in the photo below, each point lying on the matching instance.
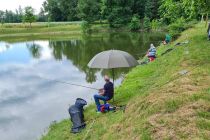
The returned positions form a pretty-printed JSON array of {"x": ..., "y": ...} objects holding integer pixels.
[
  {"x": 80, "y": 52},
  {"x": 28, "y": 104},
  {"x": 35, "y": 49}
]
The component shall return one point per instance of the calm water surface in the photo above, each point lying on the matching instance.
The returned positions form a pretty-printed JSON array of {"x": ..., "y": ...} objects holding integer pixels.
[{"x": 29, "y": 103}]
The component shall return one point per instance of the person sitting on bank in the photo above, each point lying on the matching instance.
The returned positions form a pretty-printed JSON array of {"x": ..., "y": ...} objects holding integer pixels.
[
  {"x": 167, "y": 39},
  {"x": 105, "y": 94},
  {"x": 151, "y": 54},
  {"x": 208, "y": 32}
]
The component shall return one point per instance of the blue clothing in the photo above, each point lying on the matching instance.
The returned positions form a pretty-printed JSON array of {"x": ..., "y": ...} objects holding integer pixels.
[
  {"x": 100, "y": 97},
  {"x": 152, "y": 52},
  {"x": 109, "y": 90},
  {"x": 108, "y": 94}
]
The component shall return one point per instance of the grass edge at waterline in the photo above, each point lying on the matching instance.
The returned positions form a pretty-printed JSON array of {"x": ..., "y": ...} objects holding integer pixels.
[{"x": 11, "y": 32}]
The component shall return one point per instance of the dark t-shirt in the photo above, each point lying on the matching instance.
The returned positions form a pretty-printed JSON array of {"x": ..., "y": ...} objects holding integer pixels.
[{"x": 109, "y": 90}]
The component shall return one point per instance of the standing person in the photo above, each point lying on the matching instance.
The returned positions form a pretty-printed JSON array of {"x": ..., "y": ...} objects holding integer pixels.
[
  {"x": 105, "y": 93},
  {"x": 208, "y": 32},
  {"x": 151, "y": 54}
]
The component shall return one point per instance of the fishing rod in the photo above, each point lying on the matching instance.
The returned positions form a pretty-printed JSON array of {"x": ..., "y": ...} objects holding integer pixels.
[{"x": 68, "y": 83}]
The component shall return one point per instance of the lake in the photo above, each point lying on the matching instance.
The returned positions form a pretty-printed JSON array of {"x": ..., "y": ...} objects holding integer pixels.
[{"x": 30, "y": 98}]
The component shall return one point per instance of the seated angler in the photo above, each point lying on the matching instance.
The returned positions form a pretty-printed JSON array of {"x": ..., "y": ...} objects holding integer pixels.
[
  {"x": 105, "y": 94},
  {"x": 151, "y": 54},
  {"x": 167, "y": 39}
]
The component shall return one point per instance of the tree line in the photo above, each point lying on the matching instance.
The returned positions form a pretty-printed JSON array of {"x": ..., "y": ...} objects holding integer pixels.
[
  {"x": 118, "y": 13},
  {"x": 26, "y": 14}
]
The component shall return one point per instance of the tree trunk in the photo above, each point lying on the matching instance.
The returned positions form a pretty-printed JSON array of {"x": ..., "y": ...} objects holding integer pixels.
[
  {"x": 207, "y": 18},
  {"x": 202, "y": 18},
  {"x": 30, "y": 24}
]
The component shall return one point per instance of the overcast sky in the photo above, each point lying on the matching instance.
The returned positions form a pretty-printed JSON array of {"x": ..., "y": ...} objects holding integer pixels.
[{"x": 14, "y": 4}]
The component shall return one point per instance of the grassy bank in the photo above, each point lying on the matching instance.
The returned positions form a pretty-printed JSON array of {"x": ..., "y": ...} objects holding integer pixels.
[
  {"x": 161, "y": 102},
  {"x": 55, "y": 30}
]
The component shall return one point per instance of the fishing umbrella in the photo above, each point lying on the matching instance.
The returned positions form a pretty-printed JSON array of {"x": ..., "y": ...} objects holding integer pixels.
[{"x": 112, "y": 59}]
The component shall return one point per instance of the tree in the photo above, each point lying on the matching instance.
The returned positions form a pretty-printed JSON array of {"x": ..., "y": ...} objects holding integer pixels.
[
  {"x": 62, "y": 10},
  {"x": 89, "y": 10},
  {"x": 29, "y": 15},
  {"x": 147, "y": 23},
  {"x": 52, "y": 7},
  {"x": 138, "y": 7},
  {"x": 120, "y": 12},
  {"x": 151, "y": 9},
  {"x": 135, "y": 23},
  {"x": 170, "y": 10},
  {"x": 10, "y": 16},
  {"x": 69, "y": 9},
  {"x": 2, "y": 17},
  {"x": 42, "y": 17},
  {"x": 204, "y": 8},
  {"x": 19, "y": 14}
]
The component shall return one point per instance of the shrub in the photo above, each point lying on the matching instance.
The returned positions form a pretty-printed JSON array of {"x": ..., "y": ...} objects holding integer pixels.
[
  {"x": 155, "y": 24},
  {"x": 135, "y": 23},
  {"x": 180, "y": 25},
  {"x": 86, "y": 27},
  {"x": 177, "y": 27},
  {"x": 147, "y": 23}
]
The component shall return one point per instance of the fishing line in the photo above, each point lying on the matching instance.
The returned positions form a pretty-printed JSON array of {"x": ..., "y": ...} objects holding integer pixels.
[{"x": 68, "y": 83}]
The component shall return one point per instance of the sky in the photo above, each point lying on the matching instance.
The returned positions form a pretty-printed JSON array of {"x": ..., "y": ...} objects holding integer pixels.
[{"x": 14, "y": 4}]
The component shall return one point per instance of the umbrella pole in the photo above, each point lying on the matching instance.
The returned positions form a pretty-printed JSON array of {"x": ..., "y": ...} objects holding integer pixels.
[{"x": 113, "y": 82}]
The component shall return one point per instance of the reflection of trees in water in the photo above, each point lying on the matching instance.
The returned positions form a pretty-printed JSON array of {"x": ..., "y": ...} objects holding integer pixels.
[
  {"x": 80, "y": 52},
  {"x": 34, "y": 49}
]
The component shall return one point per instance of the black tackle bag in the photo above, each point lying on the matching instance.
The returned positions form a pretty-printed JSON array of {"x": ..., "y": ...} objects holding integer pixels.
[{"x": 77, "y": 115}]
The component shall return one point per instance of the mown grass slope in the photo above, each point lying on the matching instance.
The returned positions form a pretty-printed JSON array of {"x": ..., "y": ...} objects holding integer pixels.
[{"x": 166, "y": 99}]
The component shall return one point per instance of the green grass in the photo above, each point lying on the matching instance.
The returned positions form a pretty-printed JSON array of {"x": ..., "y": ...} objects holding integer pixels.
[
  {"x": 56, "y": 30},
  {"x": 161, "y": 104}
]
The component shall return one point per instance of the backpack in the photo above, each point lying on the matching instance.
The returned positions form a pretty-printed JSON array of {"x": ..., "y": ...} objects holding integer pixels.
[{"x": 104, "y": 108}]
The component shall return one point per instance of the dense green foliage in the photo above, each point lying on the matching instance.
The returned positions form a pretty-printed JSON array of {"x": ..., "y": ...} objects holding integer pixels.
[
  {"x": 118, "y": 13},
  {"x": 89, "y": 10},
  {"x": 147, "y": 24},
  {"x": 172, "y": 10},
  {"x": 61, "y": 10},
  {"x": 9, "y": 16},
  {"x": 135, "y": 23}
]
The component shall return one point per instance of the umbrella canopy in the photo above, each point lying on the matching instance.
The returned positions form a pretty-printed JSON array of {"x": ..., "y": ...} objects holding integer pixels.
[{"x": 112, "y": 59}]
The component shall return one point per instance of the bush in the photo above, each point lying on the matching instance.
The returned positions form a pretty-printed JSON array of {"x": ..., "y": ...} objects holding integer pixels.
[
  {"x": 135, "y": 23},
  {"x": 86, "y": 27},
  {"x": 147, "y": 23},
  {"x": 177, "y": 27},
  {"x": 155, "y": 24}
]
